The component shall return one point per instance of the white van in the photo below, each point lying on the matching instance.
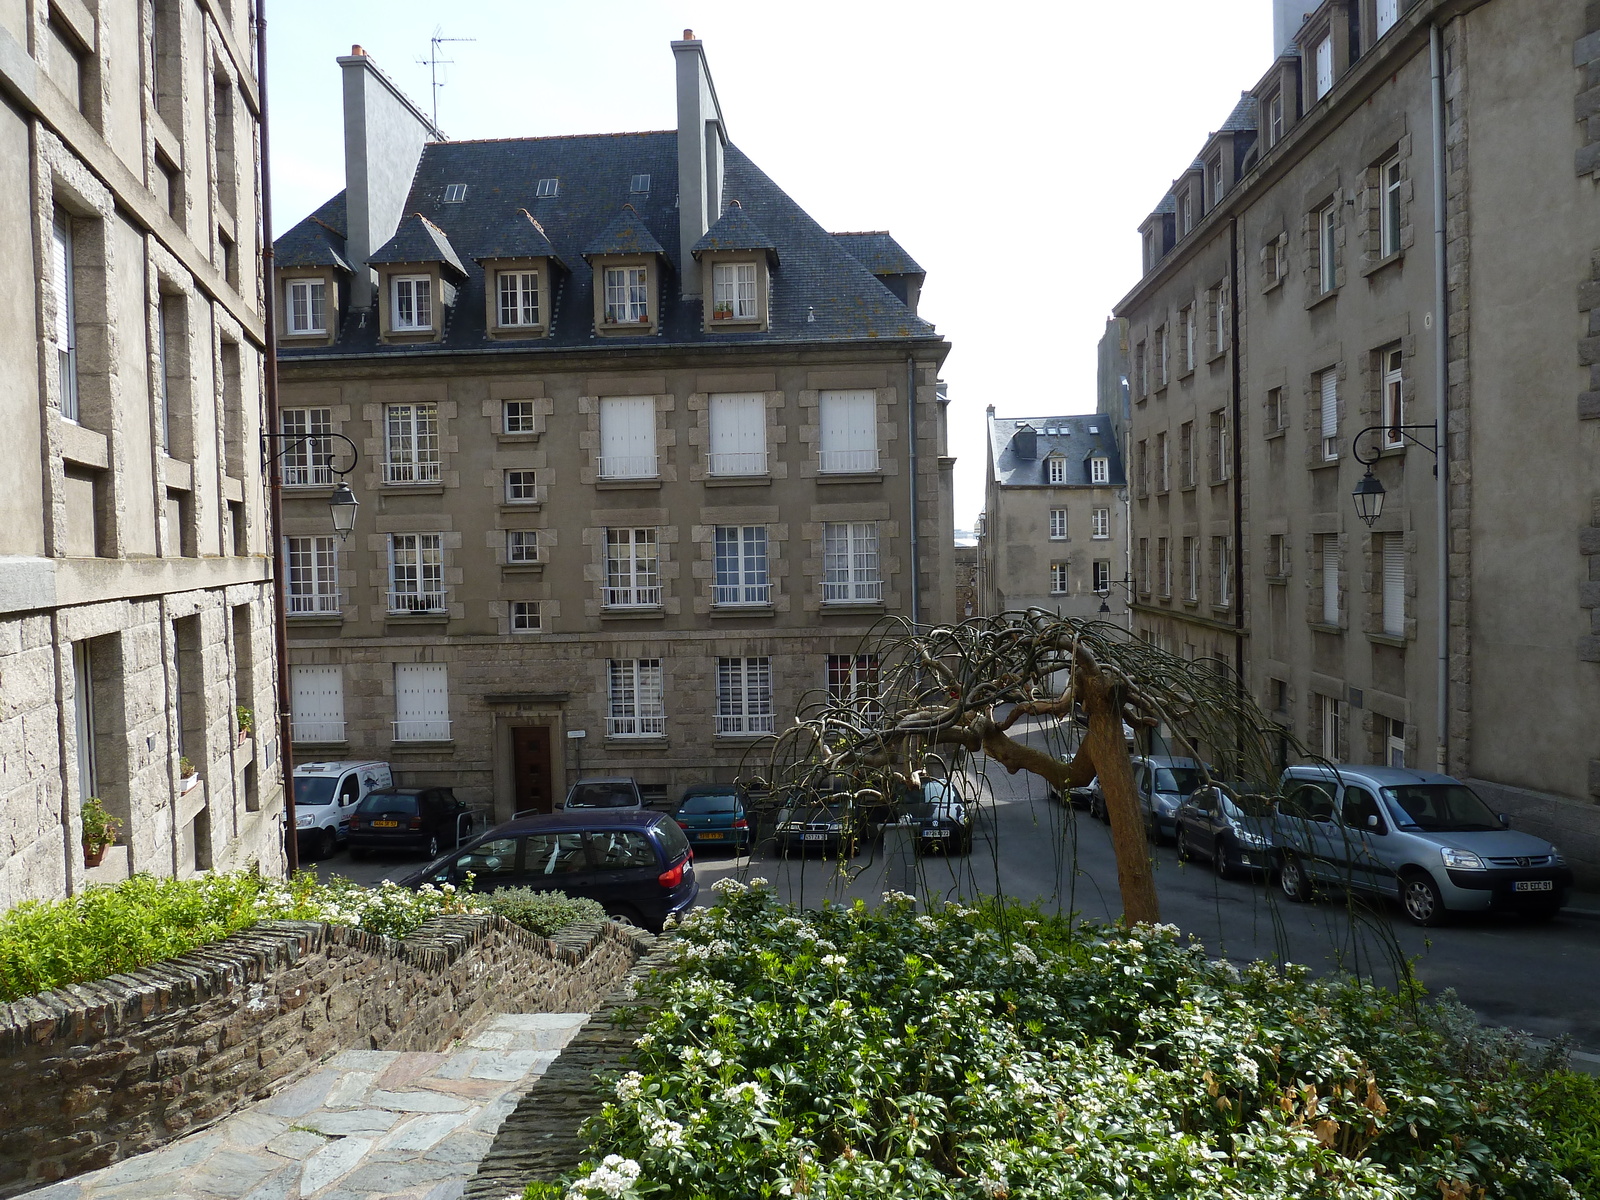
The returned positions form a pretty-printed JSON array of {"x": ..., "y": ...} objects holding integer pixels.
[{"x": 325, "y": 794}]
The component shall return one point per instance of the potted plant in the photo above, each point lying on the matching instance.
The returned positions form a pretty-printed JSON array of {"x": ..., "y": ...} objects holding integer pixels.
[
  {"x": 99, "y": 831},
  {"x": 722, "y": 312},
  {"x": 247, "y": 722},
  {"x": 188, "y": 775}
]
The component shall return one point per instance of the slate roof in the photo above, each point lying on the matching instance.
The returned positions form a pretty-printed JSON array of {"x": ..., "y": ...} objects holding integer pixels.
[
  {"x": 1072, "y": 440},
  {"x": 879, "y": 253},
  {"x": 820, "y": 293},
  {"x": 734, "y": 231},
  {"x": 418, "y": 240},
  {"x": 627, "y": 234},
  {"x": 318, "y": 241},
  {"x": 519, "y": 236},
  {"x": 1243, "y": 116}
]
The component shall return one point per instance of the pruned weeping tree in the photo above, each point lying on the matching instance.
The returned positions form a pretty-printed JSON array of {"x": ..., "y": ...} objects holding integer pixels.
[{"x": 965, "y": 687}]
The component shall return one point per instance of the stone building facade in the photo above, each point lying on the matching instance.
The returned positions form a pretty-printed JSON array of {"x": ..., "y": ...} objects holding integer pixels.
[
  {"x": 1054, "y": 528},
  {"x": 135, "y": 607},
  {"x": 1295, "y": 311},
  {"x": 637, "y": 462}
]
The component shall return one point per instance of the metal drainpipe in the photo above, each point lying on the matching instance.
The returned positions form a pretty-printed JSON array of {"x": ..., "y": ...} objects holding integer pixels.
[
  {"x": 269, "y": 370},
  {"x": 916, "y": 557},
  {"x": 1236, "y": 293},
  {"x": 1441, "y": 371}
]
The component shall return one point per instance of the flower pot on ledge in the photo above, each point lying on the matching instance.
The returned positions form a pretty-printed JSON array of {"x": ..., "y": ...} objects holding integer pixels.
[
  {"x": 94, "y": 855},
  {"x": 187, "y": 782}
]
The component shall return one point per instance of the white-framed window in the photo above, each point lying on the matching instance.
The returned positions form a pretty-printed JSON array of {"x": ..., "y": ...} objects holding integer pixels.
[
  {"x": 519, "y": 298},
  {"x": 1328, "y": 247},
  {"x": 312, "y": 578},
  {"x": 1275, "y": 119},
  {"x": 1186, "y": 454},
  {"x": 522, "y": 545},
  {"x": 1055, "y": 469},
  {"x": 411, "y": 443},
  {"x": 744, "y": 696},
  {"x": 1394, "y": 741},
  {"x": 849, "y": 433},
  {"x": 1221, "y": 452},
  {"x": 633, "y": 569},
  {"x": 1149, "y": 248},
  {"x": 1163, "y": 567},
  {"x": 1330, "y": 716},
  {"x": 1189, "y": 347},
  {"x": 1330, "y": 578},
  {"x": 738, "y": 422},
  {"x": 1163, "y": 473},
  {"x": 1394, "y": 399},
  {"x": 1221, "y": 343},
  {"x": 636, "y": 702},
  {"x": 741, "y": 566},
  {"x": 1389, "y": 179},
  {"x": 628, "y": 437},
  {"x": 411, "y": 302},
  {"x": 421, "y": 702},
  {"x": 1323, "y": 82},
  {"x": 1388, "y": 15},
  {"x": 733, "y": 292},
  {"x": 1328, "y": 386},
  {"x": 307, "y": 306},
  {"x": 1100, "y": 523},
  {"x": 416, "y": 572},
  {"x": 1191, "y": 568},
  {"x": 850, "y": 563},
  {"x": 1058, "y": 524},
  {"x": 1394, "y": 584},
  {"x": 316, "y": 703},
  {"x": 307, "y": 446},
  {"x": 527, "y": 616},
  {"x": 66, "y": 314},
  {"x": 1278, "y": 556},
  {"x": 852, "y": 677},
  {"x": 1099, "y": 470},
  {"x": 1222, "y": 564},
  {"x": 1102, "y": 576},
  {"x": 522, "y": 487},
  {"x": 1280, "y": 257},
  {"x": 516, "y": 416},
  {"x": 1277, "y": 417},
  {"x": 1216, "y": 181},
  {"x": 1185, "y": 214},
  {"x": 1058, "y": 579},
  {"x": 1144, "y": 566},
  {"x": 627, "y": 295},
  {"x": 1141, "y": 378},
  {"x": 1161, "y": 355}
]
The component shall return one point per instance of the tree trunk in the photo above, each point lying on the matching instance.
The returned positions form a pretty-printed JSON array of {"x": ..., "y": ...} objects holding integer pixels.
[{"x": 1110, "y": 754}]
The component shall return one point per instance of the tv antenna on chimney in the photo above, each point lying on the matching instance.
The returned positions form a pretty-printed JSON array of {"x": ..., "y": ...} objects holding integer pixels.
[{"x": 433, "y": 62}]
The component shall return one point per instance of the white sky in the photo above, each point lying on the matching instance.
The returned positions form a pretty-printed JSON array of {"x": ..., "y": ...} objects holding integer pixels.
[{"x": 1012, "y": 150}]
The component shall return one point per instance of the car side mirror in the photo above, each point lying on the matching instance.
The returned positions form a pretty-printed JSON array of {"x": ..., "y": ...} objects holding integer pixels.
[{"x": 1505, "y": 820}]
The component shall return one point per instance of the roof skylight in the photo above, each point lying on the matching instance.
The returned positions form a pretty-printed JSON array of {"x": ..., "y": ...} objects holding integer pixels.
[
  {"x": 641, "y": 185},
  {"x": 455, "y": 193},
  {"x": 547, "y": 187}
]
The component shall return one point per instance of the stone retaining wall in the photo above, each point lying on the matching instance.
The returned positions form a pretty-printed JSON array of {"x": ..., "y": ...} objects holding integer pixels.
[{"x": 95, "y": 1072}]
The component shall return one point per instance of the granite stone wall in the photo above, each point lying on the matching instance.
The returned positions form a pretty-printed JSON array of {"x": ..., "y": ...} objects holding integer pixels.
[{"x": 93, "y": 1073}]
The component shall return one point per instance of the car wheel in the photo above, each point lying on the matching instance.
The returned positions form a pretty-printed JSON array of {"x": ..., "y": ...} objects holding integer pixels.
[
  {"x": 1185, "y": 853},
  {"x": 1222, "y": 860},
  {"x": 1419, "y": 896},
  {"x": 1293, "y": 880},
  {"x": 326, "y": 844},
  {"x": 432, "y": 852},
  {"x": 622, "y": 914}
]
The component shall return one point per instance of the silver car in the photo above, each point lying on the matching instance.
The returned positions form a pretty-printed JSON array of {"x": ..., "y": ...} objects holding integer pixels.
[
  {"x": 1162, "y": 783},
  {"x": 1426, "y": 840}
]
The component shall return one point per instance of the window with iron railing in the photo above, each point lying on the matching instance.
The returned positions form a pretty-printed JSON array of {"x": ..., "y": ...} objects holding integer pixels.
[
  {"x": 738, "y": 427},
  {"x": 313, "y": 575},
  {"x": 744, "y": 696},
  {"x": 627, "y": 438},
  {"x": 411, "y": 443},
  {"x": 307, "y": 446},
  {"x": 741, "y": 566},
  {"x": 416, "y": 573},
  {"x": 421, "y": 702},
  {"x": 636, "y": 702},
  {"x": 849, "y": 432},
  {"x": 633, "y": 569},
  {"x": 850, "y": 563}
]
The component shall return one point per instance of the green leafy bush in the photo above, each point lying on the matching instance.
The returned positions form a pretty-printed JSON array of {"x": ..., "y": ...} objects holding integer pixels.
[
  {"x": 1566, "y": 1106},
  {"x": 109, "y": 929},
  {"x": 542, "y": 912},
  {"x": 984, "y": 1055}
]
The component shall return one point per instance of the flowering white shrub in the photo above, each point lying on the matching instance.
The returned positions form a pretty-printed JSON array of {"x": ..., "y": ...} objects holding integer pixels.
[
  {"x": 387, "y": 909},
  {"x": 915, "y": 1059}
]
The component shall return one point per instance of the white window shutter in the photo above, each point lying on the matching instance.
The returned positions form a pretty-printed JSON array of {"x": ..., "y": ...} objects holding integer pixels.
[
  {"x": 316, "y": 703},
  {"x": 1330, "y": 403},
  {"x": 1330, "y": 579},
  {"x": 1324, "y": 67},
  {"x": 1394, "y": 585},
  {"x": 737, "y": 424},
  {"x": 628, "y": 431},
  {"x": 60, "y": 256},
  {"x": 849, "y": 428},
  {"x": 1388, "y": 14},
  {"x": 421, "y": 702}
]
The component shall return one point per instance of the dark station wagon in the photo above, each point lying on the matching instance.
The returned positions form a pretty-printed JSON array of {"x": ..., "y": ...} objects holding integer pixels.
[{"x": 421, "y": 819}]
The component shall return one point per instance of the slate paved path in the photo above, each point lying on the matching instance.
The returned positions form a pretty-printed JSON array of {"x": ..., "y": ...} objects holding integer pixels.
[{"x": 368, "y": 1124}]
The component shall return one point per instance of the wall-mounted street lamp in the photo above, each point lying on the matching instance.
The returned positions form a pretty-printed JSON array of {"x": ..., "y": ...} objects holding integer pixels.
[
  {"x": 1369, "y": 491},
  {"x": 1125, "y": 583},
  {"x": 342, "y": 504}
]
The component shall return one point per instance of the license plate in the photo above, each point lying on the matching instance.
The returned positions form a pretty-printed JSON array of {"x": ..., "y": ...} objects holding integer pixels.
[
  {"x": 1533, "y": 885},
  {"x": 710, "y": 836},
  {"x": 813, "y": 837},
  {"x": 936, "y": 833},
  {"x": 386, "y": 824}
]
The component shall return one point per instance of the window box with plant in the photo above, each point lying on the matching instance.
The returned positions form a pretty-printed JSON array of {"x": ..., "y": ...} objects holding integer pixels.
[
  {"x": 188, "y": 774},
  {"x": 246, "y": 720},
  {"x": 100, "y": 831}
]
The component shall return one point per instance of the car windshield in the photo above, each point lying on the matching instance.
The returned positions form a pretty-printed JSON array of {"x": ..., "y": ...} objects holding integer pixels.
[
  {"x": 1180, "y": 780},
  {"x": 706, "y": 803},
  {"x": 601, "y": 795},
  {"x": 1442, "y": 808},
  {"x": 388, "y": 802},
  {"x": 316, "y": 792},
  {"x": 815, "y": 812}
]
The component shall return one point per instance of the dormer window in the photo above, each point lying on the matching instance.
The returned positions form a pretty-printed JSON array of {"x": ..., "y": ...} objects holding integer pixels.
[
  {"x": 519, "y": 298},
  {"x": 1275, "y": 119},
  {"x": 1185, "y": 215},
  {"x": 1055, "y": 468},
  {"x": 519, "y": 264},
  {"x": 1216, "y": 181},
  {"x": 1323, "y": 79},
  {"x": 411, "y": 303},
  {"x": 1099, "y": 470},
  {"x": 733, "y": 287},
  {"x": 627, "y": 295},
  {"x": 307, "y": 306}
]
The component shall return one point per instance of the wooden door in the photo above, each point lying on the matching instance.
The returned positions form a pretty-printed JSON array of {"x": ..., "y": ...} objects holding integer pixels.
[{"x": 530, "y": 764}]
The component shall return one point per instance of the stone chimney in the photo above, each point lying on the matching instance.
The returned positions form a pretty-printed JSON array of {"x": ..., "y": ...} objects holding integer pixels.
[
  {"x": 1287, "y": 17},
  {"x": 383, "y": 138},
  {"x": 701, "y": 139}
]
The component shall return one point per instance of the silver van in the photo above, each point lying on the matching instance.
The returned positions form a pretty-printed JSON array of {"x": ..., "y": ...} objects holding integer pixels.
[{"x": 1425, "y": 840}]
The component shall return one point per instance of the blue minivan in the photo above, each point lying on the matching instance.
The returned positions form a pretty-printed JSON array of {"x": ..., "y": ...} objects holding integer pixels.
[{"x": 637, "y": 865}]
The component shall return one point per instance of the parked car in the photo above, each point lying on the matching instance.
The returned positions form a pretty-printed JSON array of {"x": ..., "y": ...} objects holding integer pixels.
[
  {"x": 714, "y": 813},
  {"x": 412, "y": 818},
  {"x": 1425, "y": 840},
  {"x": 637, "y": 865},
  {"x": 828, "y": 826},
  {"x": 1162, "y": 782},
  {"x": 941, "y": 819},
  {"x": 1233, "y": 831},
  {"x": 618, "y": 792},
  {"x": 325, "y": 796}
]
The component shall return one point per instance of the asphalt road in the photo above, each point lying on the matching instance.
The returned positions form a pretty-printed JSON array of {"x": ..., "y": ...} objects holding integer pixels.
[{"x": 1541, "y": 976}]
